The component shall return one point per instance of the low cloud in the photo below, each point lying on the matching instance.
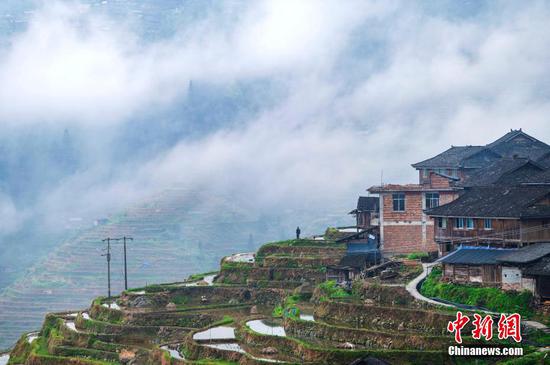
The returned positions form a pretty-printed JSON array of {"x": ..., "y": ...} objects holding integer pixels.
[{"x": 354, "y": 93}]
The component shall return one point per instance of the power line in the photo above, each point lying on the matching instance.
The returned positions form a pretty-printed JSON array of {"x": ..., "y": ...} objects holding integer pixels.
[{"x": 108, "y": 255}]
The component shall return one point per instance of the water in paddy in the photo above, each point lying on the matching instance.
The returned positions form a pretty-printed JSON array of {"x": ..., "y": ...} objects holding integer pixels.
[
  {"x": 215, "y": 333},
  {"x": 174, "y": 353},
  {"x": 4, "y": 359},
  {"x": 307, "y": 317},
  {"x": 264, "y": 328}
]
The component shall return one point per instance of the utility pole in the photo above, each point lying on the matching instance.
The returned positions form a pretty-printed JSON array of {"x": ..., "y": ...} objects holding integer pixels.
[
  {"x": 108, "y": 240},
  {"x": 125, "y": 265}
]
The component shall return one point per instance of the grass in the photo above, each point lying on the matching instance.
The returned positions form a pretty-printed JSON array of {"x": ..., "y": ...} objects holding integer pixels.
[
  {"x": 197, "y": 277},
  {"x": 330, "y": 290},
  {"x": 417, "y": 255},
  {"x": 289, "y": 308},
  {"x": 491, "y": 298}
]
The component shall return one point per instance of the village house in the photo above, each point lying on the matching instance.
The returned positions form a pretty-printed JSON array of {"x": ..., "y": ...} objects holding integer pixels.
[
  {"x": 366, "y": 213},
  {"x": 527, "y": 268},
  {"x": 470, "y": 264},
  {"x": 403, "y": 223},
  {"x": 362, "y": 252},
  {"x": 499, "y": 216}
]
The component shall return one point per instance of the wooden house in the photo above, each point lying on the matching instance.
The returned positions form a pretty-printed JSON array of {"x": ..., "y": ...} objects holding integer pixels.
[
  {"x": 359, "y": 256},
  {"x": 471, "y": 264},
  {"x": 367, "y": 211},
  {"x": 528, "y": 269},
  {"x": 499, "y": 216}
]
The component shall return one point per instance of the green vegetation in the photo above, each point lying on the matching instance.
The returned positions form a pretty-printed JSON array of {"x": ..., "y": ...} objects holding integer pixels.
[
  {"x": 490, "y": 298},
  {"x": 289, "y": 308},
  {"x": 539, "y": 338},
  {"x": 332, "y": 233},
  {"x": 197, "y": 277},
  {"x": 330, "y": 290},
  {"x": 529, "y": 359},
  {"x": 417, "y": 255},
  {"x": 224, "y": 321}
]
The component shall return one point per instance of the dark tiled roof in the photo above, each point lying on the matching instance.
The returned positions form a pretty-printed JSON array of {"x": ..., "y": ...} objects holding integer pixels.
[
  {"x": 466, "y": 255},
  {"x": 360, "y": 260},
  {"x": 493, "y": 202},
  {"x": 515, "y": 143},
  {"x": 451, "y": 158},
  {"x": 519, "y": 143},
  {"x": 528, "y": 254},
  {"x": 540, "y": 178},
  {"x": 544, "y": 160},
  {"x": 368, "y": 204},
  {"x": 504, "y": 171},
  {"x": 541, "y": 267}
]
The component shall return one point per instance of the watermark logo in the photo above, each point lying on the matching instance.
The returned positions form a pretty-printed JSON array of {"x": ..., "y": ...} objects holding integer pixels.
[{"x": 508, "y": 327}]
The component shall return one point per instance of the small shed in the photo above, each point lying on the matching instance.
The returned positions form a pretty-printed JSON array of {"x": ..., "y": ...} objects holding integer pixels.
[
  {"x": 473, "y": 264},
  {"x": 528, "y": 269},
  {"x": 359, "y": 256}
]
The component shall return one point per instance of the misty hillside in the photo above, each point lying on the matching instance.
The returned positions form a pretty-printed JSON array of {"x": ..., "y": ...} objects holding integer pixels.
[{"x": 177, "y": 233}]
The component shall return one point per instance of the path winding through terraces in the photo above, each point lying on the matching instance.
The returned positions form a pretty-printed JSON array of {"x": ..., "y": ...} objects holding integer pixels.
[{"x": 412, "y": 288}]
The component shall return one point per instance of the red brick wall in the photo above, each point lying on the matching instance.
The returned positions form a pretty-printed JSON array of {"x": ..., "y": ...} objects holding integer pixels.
[
  {"x": 407, "y": 239},
  {"x": 438, "y": 182},
  {"x": 413, "y": 207},
  {"x": 403, "y": 230}
]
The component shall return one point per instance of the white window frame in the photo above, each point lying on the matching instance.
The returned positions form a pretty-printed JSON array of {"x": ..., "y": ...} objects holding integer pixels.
[
  {"x": 431, "y": 199},
  {"x": 468, "y": 221},
  {"x": 488, "y": 227},
  {"x": 457, "y": 225},
  {"x": 399, "y": 199}
]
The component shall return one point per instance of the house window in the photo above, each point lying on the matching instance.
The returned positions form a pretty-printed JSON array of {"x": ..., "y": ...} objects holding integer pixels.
[
  {"x": 459, "y": 223},
  {"x": 398, "y": 202},
  {"x": 424, "y": 173},
  {"x": 469, "y": 223},
  {"x": 441, "y": 222},
  {"x": 432, "y": 200},
  {"x": 488, "y": 224}
]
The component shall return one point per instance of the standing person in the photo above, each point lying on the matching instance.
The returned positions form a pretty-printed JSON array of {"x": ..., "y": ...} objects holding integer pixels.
[{"x": 298, "y": 231}]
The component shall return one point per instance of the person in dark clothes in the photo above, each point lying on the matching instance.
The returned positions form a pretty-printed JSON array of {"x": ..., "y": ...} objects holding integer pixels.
[{"x": 298, "y": 231}]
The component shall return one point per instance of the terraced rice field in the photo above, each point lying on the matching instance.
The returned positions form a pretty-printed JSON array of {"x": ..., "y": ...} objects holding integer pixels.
[{"x": 177, "y": 233}]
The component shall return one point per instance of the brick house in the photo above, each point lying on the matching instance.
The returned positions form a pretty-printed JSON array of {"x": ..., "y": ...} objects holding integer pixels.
[{"x": 405, "y": 227}]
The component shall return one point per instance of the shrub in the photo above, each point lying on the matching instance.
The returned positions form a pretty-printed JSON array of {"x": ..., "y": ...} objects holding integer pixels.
[
  {"x": 331, "y": 290},
  {"x": 417, "y": 255}
]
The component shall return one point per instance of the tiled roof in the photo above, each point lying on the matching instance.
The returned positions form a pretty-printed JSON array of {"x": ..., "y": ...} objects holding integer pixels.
[
  {"x": 504, "y": 171},
  {"x": 544, "y": 160},
  {"x": 469, "y": 255},
  {"x": 519, "y": 143},
  {"x": 528, "y": 254},
  {"x": 495, "y": 202},
  {"x": 360, "y": 260},
  {"x": 515, "y": 143},
  {"x": 451, "y": 158},
  {"x": 541, "y": 267}
]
